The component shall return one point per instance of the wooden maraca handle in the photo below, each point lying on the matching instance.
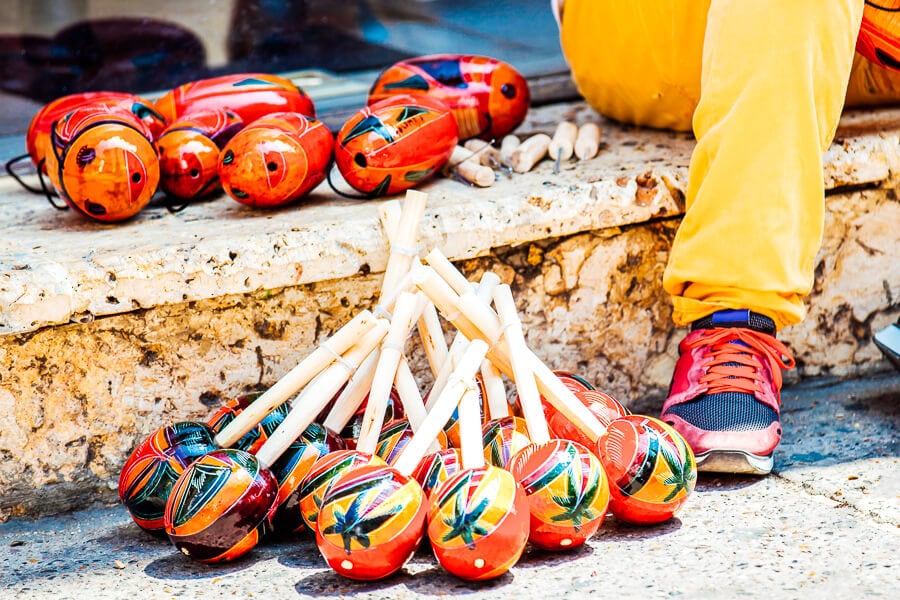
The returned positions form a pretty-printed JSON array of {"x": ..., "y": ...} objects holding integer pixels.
[
  {"x": 495, "y": 390},
  {"x": 316, "y": 396},
  {"x": 296, "y": 378},
  {"x": 470, "y": 444},
  {"x": 389, "y": 357},
  {"x": 523, "y": 374},
  {"x": 429, "y": 325},
  {"x": 562, "y": 145},
  {"x": 529, "y": 153},
  {"x": 404, "y": 241},
  {"x": 460, "y": 380},
  {"x": 352, "y": 396},
  {"x": 411, "y": 399},
  {"x": 507, "y": 147},
  {"x": 587, "y": 144},
  {"x": 467, "y": 166}
]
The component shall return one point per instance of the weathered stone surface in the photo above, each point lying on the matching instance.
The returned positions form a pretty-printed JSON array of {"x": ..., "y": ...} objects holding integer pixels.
[{"x": 57, "y": 268}]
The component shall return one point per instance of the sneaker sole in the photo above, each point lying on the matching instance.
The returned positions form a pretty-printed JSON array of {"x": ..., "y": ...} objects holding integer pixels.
[{"x": 735, "y": 462}]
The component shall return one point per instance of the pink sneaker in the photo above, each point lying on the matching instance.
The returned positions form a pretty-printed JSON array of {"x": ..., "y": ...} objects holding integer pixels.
[{"x": 726, "y": 392}]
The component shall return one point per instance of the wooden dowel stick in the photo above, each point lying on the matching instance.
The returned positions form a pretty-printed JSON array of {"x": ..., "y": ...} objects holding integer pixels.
[
  {"x": 296, "y": 378},
  {"x": 529, "y": 397},
  {"x": 507, "y": 147},
  {"x": 460, "y": 380},
  {"x": 465, "y": 164},
  {"x": 390, "y": 355},
  {"x": 315, "y": 397},
  {"x": 529, "y": 153},
  {"x": 487, "y": 155},
  {"x": 587, "y": 144},
  {"x": 412, "y": 400}
]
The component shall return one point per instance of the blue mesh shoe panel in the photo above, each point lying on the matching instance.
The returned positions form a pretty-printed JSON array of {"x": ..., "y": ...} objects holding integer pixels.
[{"x": 727, "y": 411}]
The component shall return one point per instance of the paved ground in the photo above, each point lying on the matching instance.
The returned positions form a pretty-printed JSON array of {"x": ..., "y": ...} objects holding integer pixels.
[{"x": 826, "y": 523}]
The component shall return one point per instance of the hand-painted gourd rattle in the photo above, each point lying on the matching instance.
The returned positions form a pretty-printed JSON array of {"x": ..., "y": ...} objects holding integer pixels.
[
  {"x": 249, "y": 95},
  {"x": 651, "y": 469},
  {"x": 102, "y": 162},
  {"x": 478, "y": 520},
  {"x": 189, "y": 151},
  {"x": 276, "y": 160},
  {"x": 395, "y": 144},
  {"x": 567, "y": 489},
  {"x": 488, "y": 97}
]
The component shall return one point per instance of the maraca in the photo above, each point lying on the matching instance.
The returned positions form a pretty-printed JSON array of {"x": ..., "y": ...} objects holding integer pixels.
[
  {"x": 395, "y": 144},
  {"x": 566, "y": 486},
  {"x": 102, "y": 163},
  {"x": 651, "y": 469},
  {"x": 373, "y": 519},
  {"x": 276, "y": 160},
  {"x": 478, "y": 521},
  {"x": 249, "y": 95},
  {"x": 488, "y": 97},
  {"x": 189, "y": 151}
]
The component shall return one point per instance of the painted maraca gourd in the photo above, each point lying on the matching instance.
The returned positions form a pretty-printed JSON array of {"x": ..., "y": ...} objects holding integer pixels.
[
  {"x": 276, "y": 160},
  {"x": 395, "y": 144},
  {"x": 249, "y": 95},
  {"x": 488, "y": 97},
  {"x": 652, "y": 470},
  {"x": 102, "y": 163}
]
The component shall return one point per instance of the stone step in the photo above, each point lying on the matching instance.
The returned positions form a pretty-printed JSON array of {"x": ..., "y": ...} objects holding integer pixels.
[{"x": 109, "y": 331}]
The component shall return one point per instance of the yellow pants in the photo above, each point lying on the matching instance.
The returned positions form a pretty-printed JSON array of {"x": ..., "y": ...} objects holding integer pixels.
[{"x": 762, "y": 84}]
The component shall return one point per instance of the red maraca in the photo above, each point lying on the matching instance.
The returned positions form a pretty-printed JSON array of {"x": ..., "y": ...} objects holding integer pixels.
[
  {"x": 276, "y": 160},
  {"x": 189, "y": 151},
  {"x": 567, "y": 488},
  {"x": 373, "y": 519},
  {"x": 651, "y": 469},
  {"x": 224, "y": 501},
  {"x": 148, "y": 475},
  {"x": 478, "y": 521},
  {"x": 249, "y": 95}
]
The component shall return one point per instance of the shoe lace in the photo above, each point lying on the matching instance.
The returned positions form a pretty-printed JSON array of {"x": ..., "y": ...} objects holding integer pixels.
[{"x": 735, "y": 359}]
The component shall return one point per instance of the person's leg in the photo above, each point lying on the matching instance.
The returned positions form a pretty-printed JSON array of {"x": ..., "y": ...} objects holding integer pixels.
[
  {"x": 637, "y": 61},
  {"x": 773, "y": 81}
]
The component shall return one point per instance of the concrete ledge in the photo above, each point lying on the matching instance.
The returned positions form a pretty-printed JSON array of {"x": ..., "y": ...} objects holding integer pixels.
[{"x": 57, "y": 268}]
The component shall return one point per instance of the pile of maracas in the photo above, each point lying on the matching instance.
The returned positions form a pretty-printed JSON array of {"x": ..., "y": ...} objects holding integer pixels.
[
  {"x": 256, "y": 136},
  {"x": 346, "y": 446}
]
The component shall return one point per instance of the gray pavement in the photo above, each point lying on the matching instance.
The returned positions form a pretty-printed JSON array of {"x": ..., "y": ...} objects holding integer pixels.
[{"x": 826, "y": 523}]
